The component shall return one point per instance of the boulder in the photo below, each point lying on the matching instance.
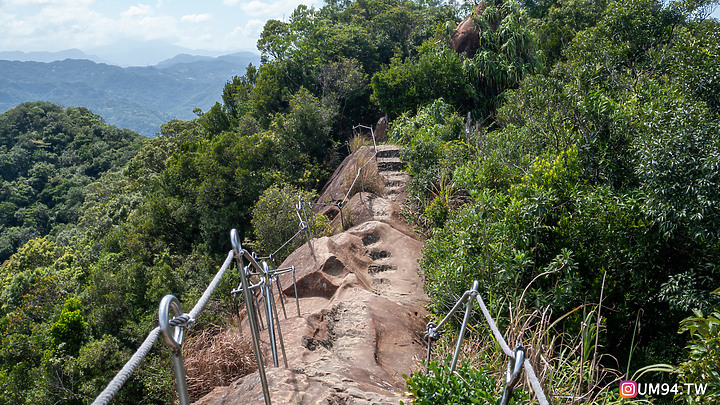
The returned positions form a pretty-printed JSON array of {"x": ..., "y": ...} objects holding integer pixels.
[
  {"x": 341, "y": 179},
  {"x": 466, "y": 38},
  {"x": 381, "y": 134}
]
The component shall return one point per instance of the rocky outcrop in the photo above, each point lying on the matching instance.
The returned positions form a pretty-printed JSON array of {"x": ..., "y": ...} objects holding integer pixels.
[
  {"x": 381, "y": 129},
  {"x": 466, "y": 38},
  {"x": 362, "y": 308}
]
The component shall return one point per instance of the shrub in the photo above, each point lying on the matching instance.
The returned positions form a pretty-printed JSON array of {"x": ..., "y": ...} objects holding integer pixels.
[
  {"x": 703, "y": 363},
  {"x": 467, "y": 385},
  {"x": 275, "y": 221}
]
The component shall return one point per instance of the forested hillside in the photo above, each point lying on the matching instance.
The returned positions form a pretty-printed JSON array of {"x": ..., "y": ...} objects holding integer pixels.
[
  {"x": 571, "y": 157},
  {"x": 585, "y": 191},
  {"x": 73, "y": 310},
  {"x": 138, "y": 98},
  {"x": 48, "y": 156}
]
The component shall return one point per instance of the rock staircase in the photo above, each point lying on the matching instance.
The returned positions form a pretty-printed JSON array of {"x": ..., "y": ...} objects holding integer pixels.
[
  {"x": 361, "y": 302},
  {"x": 393, "y": 171}
]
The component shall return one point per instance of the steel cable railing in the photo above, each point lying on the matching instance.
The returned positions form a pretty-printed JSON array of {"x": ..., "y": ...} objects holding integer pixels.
[
  {"x": 267, "y": 278},
  {"x": 359, "y": 176},
  {"x": 179, "y": 323},
  {"x": 359, "y": 173},
  {"x": 517, "y": 355},
  {"x": 259, "y": 269},
  {"x": 173, "y": 329},
  {"x": 122, "y": 376}
]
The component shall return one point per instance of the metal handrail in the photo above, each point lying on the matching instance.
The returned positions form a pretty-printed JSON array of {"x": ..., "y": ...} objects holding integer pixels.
[
  {"x": 239, "y": 252},
  {"x": 173, "y": 330},
  {"x": 180, "y": 323},
  {"x": 183, "y": 321},
  {"x": 517, "y": 356},
  {"x": 359, "y": 173},
  {"x": 342, "y": 202}
]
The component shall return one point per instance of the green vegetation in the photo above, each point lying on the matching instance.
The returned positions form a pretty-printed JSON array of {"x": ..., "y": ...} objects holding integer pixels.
[
  {"x": 47, "y": 157},
  {"x": 704, "y": 354},
  {"x": 595, "y": 176},
  {"x": 467, "y": 385},
  {"x": 139, "y": 98},
  {"x": 589, "y": 169},
  {"x": 79, "y": 297},
  {"x": 275, "y": 221}
]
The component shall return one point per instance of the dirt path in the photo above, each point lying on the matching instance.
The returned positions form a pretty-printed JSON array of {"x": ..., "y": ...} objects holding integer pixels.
[{"x": 362, "y": 309}]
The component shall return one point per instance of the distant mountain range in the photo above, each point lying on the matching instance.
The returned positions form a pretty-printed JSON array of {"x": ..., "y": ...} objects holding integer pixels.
[
  {"x": 21, "y": 56},
  {"x": 137, "y": 98},
  {"x": 124, "y": 53}
]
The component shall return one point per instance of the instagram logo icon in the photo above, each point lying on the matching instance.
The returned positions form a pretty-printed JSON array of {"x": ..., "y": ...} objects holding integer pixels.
[{"x": 628, "y": 389}]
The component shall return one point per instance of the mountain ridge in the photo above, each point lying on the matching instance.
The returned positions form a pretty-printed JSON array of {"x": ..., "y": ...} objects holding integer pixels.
[
  {"x": 137, "y": 98},
  {"x": 49, "y": 56}
]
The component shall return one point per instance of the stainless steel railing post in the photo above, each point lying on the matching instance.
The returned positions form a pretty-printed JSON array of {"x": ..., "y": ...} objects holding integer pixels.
[
  {"x": 267, "y": 296},
  {"x": 249, "y": 303},
  {"x": 280, "y": 295},
  {"x": 174, "y": 342},
  {"x": 512, "y": 376},
  {"x": 297, "y": 302},
  {"x": 274, "y": 314}
]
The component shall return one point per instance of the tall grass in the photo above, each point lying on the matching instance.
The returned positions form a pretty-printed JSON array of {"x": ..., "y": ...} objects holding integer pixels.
[
  {"x": 358, "y": 141},
  {"x": 564, "y": 352},
  {"x": 216, "y": 358},
  {"x": 371, "y": 180}
]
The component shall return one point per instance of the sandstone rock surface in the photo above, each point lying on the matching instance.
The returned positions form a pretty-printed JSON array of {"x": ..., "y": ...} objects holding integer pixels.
[{"x": 361, "y": 302}]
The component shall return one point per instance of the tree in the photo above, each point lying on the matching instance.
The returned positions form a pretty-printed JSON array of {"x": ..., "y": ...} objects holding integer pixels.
[
  {"x": 437, "y": 73},
  {"x": 237, "y": 92},
  {"x": 275, "y": 221},
  {"x": 47, "y": 157},
  {"x": 679, "y": 164},
  {"x": 71, "y": 331}
]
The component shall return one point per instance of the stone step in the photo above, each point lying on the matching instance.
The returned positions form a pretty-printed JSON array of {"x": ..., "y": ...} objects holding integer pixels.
[
  {"x": 387, "y": 151},
  {"x": 391, "y": 175},
  {"x": 394, "y": 183},
  {"x": 390, "y": 164}
]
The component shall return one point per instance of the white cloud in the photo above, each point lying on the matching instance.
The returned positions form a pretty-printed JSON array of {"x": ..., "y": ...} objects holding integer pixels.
[
  {"x": 137, "y": 11},
  {"x": 196, "y": 18},
  {"x": 54, "y": 25},
  {"x": 72, "y": 24},
  {"x": 10, "y": 25},
  {"x": 251, "y": 29},
  {"x": 20, "y": 3},
  {"x": 60, "y": 25},
  {"x": 255, "y": 8},
  {"x": 258, "y": 8}
]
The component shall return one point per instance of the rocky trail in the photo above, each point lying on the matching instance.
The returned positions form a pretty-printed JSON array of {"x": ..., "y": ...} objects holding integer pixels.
[{"x": 361, "y": 302}]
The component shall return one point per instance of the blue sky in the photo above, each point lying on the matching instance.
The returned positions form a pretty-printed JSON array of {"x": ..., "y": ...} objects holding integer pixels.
[{"x": 216, "y": 25}]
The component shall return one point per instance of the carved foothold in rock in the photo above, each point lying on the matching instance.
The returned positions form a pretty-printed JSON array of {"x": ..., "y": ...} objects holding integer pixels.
[
  {"x": 361, "y": 304},
  {"x": 334, "y": 267},
  {"x": 315, "y": 285}
]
